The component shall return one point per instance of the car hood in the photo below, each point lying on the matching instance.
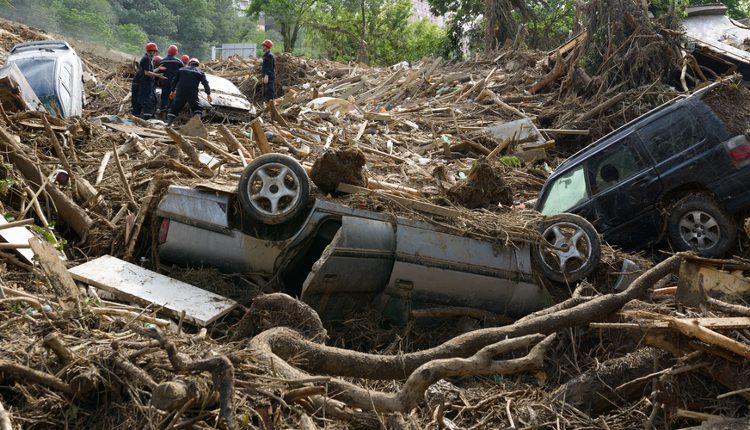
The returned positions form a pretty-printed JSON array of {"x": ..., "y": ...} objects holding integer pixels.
[{"x": 225, "y": 94}]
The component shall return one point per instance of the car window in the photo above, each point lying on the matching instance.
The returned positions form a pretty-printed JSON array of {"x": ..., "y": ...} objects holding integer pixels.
[
  {"x": 615, "y": 164},
  {"x": 566, "y": 192},
  {"x": 672, "y": 134}
]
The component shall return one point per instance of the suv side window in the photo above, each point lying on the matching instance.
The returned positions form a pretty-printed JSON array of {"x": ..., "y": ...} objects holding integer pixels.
[
  {"x": 615, "y": 164},
  {"x": 672, "y": 134}
]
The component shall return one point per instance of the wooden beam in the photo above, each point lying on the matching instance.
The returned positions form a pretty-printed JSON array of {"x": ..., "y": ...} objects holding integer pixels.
[{"x": 260, "y": 136}]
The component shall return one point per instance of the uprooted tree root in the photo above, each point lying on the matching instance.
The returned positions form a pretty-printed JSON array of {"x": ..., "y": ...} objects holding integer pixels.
[{"x": 466, "y": 355}]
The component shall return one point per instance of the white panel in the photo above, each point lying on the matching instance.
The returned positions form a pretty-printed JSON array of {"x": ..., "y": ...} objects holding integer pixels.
[{"x": 134, "y": 283}]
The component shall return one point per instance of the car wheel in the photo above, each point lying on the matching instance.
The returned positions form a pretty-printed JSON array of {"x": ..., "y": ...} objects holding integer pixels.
[
  {"x": 699, "y": 224},
  {"x": 274, "y": 188},
  {"x": 570, "y": 248}
]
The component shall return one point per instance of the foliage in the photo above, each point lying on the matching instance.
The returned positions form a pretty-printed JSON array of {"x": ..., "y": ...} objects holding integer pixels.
[
  {"x": 364, "y": 30},
  {"x": 552, "y": 21},
  {"x": 288, "y": 16},
  {"x": 423, "y": 39},
  {"x": 194, "y": 25}
]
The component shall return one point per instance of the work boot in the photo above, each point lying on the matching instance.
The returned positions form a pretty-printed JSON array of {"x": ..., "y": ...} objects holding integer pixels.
[{"x": 170, "y": 120}]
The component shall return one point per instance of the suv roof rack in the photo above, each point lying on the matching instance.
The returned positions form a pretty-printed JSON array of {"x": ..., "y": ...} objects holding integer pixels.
[{"x": 40, "y": 44}]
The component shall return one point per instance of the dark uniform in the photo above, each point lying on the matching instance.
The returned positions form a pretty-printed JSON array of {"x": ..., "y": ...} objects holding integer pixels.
[
  {"x": 269, "y": 69},
  {"x": 145, "y": 102},
  {"x": 172, "y": 65},
  {"x": 186, "y": 84}
]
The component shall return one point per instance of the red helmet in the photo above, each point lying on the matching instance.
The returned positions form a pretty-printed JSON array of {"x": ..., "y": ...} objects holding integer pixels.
[
  {"x": 267, "y": 43},
  {"x": 172, "y": 50},
  {"x": 194, "y": 61},
  {"x": 157, "y": 59},
  {"x": 151, "y": 46},
  {"x": 185, "y": 59}
]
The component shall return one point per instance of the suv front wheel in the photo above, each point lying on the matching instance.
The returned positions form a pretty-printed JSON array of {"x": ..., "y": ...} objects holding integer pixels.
[{"x": 697, "y": 223}]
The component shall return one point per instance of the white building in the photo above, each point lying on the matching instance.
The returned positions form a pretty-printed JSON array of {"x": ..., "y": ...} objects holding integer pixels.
[
  {"x": 420, "y": 9},
  {"x": 241, "y": 5}
]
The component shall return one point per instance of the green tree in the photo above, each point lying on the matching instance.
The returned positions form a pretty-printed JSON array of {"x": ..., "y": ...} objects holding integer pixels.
[
  {"x": 288, "y": 15},
  {"x": 368, "y": 30},
  {"x": 129, "y": 38},
  {"x": 423, "y": 39}
]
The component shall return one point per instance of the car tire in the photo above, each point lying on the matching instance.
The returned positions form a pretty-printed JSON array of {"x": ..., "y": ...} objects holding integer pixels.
[
  {"x": 570, "y": 248},
  {"x": 698, "y": 223},
  {"x": 273, "y": 189}
]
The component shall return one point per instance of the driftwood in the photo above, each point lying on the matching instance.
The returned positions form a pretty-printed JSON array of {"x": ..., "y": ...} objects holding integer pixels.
[
  {"x": 67, "y": 209},
  {"x": 336, "y": 361}
]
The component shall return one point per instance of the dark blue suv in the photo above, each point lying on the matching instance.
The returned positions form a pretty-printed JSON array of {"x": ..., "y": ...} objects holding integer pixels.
[{"x": 679, "y": 171}]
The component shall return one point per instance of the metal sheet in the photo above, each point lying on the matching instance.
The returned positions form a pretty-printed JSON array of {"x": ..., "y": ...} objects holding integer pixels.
[
  {"x": 133, "y": 283},
  {"x": 203, "y": 208},
  {"x": 353, "y": 268},
  {"x": 233, "y": 252}
]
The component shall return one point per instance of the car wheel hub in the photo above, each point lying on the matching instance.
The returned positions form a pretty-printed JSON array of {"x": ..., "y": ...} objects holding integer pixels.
[
  {"x": 569, "y": 244},
  {"x": 699, "y": 230},
  {"x": 274, "y": 189}
]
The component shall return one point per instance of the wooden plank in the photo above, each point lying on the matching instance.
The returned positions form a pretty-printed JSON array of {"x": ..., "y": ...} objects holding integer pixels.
[
  {"x": 55, "y": 270},
  {"x": 133, "y": 283},
  {"x": 565, "y": 131},
  {"x": 140, "y": 131},
  {"x": 728, "y": 323},
  {"x": 414, "y": 204},
  {"x": 260, "y": 136},
  {"x": 17, "y": 234}
]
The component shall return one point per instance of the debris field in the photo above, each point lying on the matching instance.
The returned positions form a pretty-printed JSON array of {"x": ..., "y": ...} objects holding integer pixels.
[{"x": 429, "y": 141}]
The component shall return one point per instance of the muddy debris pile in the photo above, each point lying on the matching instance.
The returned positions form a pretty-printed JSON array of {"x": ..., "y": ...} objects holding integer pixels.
[{"x": 455, "y": 145}]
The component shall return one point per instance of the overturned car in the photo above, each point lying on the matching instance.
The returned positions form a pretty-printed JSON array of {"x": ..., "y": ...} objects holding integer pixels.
[
  {"x": 228, "y": 103},
  {"x": 55, "y": 73},
  {"x": 340, "y": 259}
]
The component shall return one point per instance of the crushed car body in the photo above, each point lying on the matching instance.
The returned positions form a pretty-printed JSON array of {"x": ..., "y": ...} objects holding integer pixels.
[
  {"x": 227, "y": 103},
  {"x": 55, "y": 73},
  {"x": 340, "y": 259}
]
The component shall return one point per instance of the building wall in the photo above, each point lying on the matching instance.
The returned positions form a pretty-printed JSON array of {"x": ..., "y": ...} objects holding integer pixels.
[{"x": 421, "y": 10}]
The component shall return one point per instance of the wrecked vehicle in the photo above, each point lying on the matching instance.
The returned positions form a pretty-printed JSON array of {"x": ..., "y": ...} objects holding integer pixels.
[
  {"x": 228, "y": 102},
  {"x": 678, "y": 171},
  {"x": 55, "y": 73},
  {"x": 719, "y": 43},
  {"x": 339, "y": 259}
]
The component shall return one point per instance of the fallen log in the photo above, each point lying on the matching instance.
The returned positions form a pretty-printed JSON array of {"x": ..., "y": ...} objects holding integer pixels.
[
  {"x": 335, "y": 361},
  {"x": 407, "y": 398}
]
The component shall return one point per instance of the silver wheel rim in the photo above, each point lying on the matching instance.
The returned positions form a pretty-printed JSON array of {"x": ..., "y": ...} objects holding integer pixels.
[
  {"x": 568, "y": 248},
  {"x": 274, "y": 189},
  {"x": 699, "y": 230}
]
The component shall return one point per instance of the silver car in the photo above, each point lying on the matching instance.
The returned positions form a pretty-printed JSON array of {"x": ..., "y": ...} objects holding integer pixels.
[
  {"x": 54, "y": 71},
  {"x": 340, "y": 259}
]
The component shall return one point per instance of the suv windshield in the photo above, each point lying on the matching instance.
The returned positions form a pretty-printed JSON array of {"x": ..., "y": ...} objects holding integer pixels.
[{"x": 565, "y": 193}]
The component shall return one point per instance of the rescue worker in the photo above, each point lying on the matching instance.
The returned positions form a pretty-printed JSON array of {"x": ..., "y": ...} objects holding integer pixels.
[
  {"x": 268, "y": 71},
  {"x": 185, "y": 60},
  {"x": 170, "y": 65},
  {"x": 185, "y": 90},
  {"x": 143, "y": 84}
]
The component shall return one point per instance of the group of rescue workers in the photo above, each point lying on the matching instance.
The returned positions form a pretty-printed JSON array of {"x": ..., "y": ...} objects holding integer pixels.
[{"x": 179, "y": 79}]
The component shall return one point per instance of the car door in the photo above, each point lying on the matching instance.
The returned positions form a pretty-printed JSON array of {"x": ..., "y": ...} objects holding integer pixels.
[
  {"x": 625, "y": 188},
  {"x": 676, "y": 142}
]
